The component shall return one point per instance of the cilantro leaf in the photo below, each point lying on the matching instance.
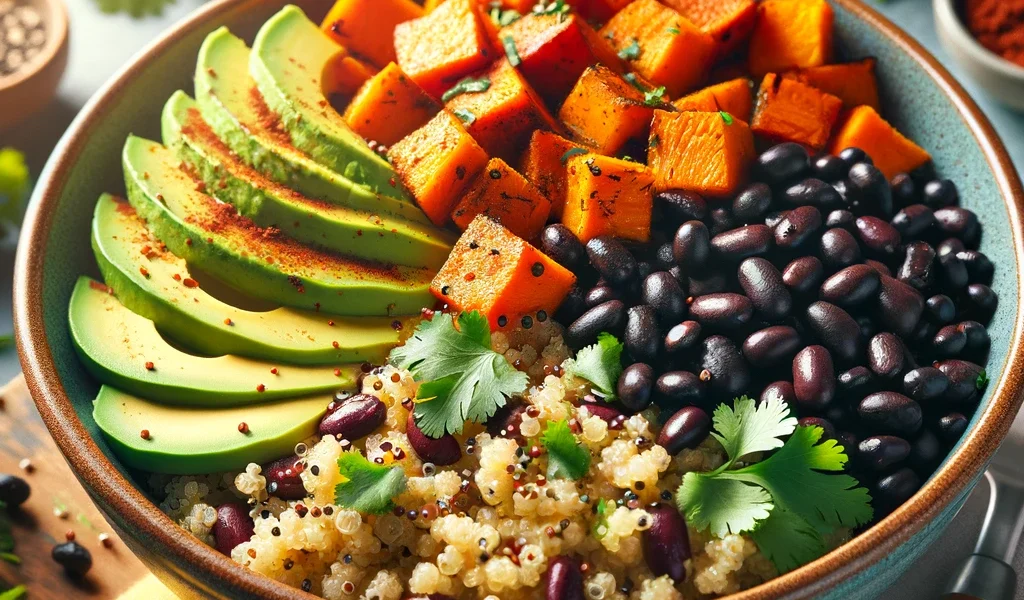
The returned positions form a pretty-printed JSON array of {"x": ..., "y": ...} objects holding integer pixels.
[
  {"x": 367, "y": 487},
  {"x": 630, "y": 52},
  {"x": 14, "y": 186},
  {"x": 566, "y": 457},
  {"x": 502, "y": 18},
  {"x": 673, "y": 30},
  {"x": 600, "y": 527},
  {"x": 721, "y": 505},
  {"x": 467, "y": 85},
  {"x": 653, "y": 97},
  {"x": 787, "y": 540},
  {"x": 746, "y": 428},
  {"x": 571, "y": 152},
  {"x": 600, "y": 364},
  {"x": 15, "y": 593},
  {"x": 726, "y": 117},
  {"x": 558, "y": 7},
  {"x": 511, "y": 52},
  {"x": 461, "y": 377},
  {"x": 633, "y": 81},
  {"x": 464, "y": 115},
  {"x": 981, "y": 381}
]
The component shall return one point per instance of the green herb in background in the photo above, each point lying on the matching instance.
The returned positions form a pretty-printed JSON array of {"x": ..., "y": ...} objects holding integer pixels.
[
  {"x": 15, "y": 593},
  {"x": 653, "y": 97},
  {"x": 135, "y": 8},
  {"x": 630, "y": 52},
  {"x": 14, "y": 187},
  {"x": 467, "y": 85}
]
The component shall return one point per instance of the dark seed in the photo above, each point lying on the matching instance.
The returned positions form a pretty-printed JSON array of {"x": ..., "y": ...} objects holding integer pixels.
[
  {"x": 899, "y": 306},
  {"x": 711, "y": 285},
  {"x": 353, "y": 418},
  {"x": 939, "y": 309},
  {"x": 771, "y": 346},
  {"x": 887, "y": 356},
  {"x": 841, "y": 218},
  {"x": 925, "y": 451},
  {"x": 681, "y": 206},
  {"x": 803, "y": 275},
  {"x": 882, "y": 452},
  {"x": 797, "y": 227},
  {"x": 856, "y": 383},
  {"x": 730, "y": 375},
  {"x": 893, "y": 490},
  {"x": 965, "y": 380},
  {"x": 232, "y": 527},
  {"x": 851, "y": 286},
  {"x": 773, "y": 218},
  {"x": 837, "y": 330},
  {"x": 782, "y": 390},
  {"x": 722, "y": 311},
  {"x": 949, "y": 246},
  {"x": 685, "y": 429},
  {"x": 763, "y": 285},
  {"x": 564, "y": 580},
  {"x": 558, "y": 242},
  {"x": 610, "y": 317},
  {"x": 981, "y": 302},
  {"x": 890, "y": 412},
  {"x": 949, "y": 342},
  {"x": 917, "y": 268},
  {"x": 925, "y": 384},
  {"x": 839, "y": 249},
  {"x": 663, "y": 259},
  {"x": 978, "y": 340},
  {"x": 442, "y": 451},
  {"x": 904, "y": 191},
  {"x": 914, "y": 221},
  {"x": 742, "y": 242},
  {"x": 940, "y": 193},
  {"x": 879, "y": 266},
  {"x": 666, "y": 543},
  {"x": 814, "y": 378},
  {"x": 642, "y": 339},
  {"x": 979, "y": 268},
  {"x": 682, "y": 337},
  {"x": 612, "y": 260},
  {"x": 13, "y": 490},
  {"x": 692, "y": 246},
  {"x": 959, "y": 223},
  {"x": 868, "y": 191},
  {"x": 752, "y": 203},
  {"x": 74, "y": 557},
  {"x": 852, "y": 156},
  {"x": 952, "y": 426},
  {"x": 572, "y": 306},
  {"x": 782, "y": 163},
  {"x": 878, "y": 236},
  {"x": 664, "y": 294},
  {"x": 952, "y": 271},
  {"x": 679, "y": 388},
  {"x": 635, "y": 386},
  {"x": 600, "y": 295},
  {"x": 720, "y": 220},
  {"x": 283, "y": 480},
  {"x": 829, "y": 168},
  {"x": 812, "y": 192}
]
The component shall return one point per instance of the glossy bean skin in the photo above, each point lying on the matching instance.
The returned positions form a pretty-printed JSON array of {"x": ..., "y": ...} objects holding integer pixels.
[
  {"x": 797, "y": 227},
  {"x": 925, "y": 384},
  {"x": 612, "y": 260},
  {"x": 851, "y": 156},
  {"x": 642, "y": 338},
  {"x": 507, "y": 420},
  {"x": 914, "y": 221},
  {"x": 564, "y": 580},
  {"x": 949, "y": 342},
  {"x": 692, "y": 246},
  {"x": 782, "y": 390},
  {"x": 14, "y": 490},
  {"x": 720, "y": 221},
  {"x": 730, "y": 374},
  {"x": 953, "y": 271},
  {"x": 881, "y": 267},
  {"x": 890, "y": 412},
  {"x": 666, "y": 544},
  {"x": 601, "y": 294},
  {"x": 837, "y": 330},
  {"x": 687, "y": 428},
  {"x": 763, "y": 285},
  {"x": 882, "y": 452},
  {"x": 899, "y": 306},
  {"x": 743, "y": 242},
  {"x": 663, "y": 293},
  {"x": 771, "y": 346},
  {"x": 814, "y": 378},
  {"x": 354, "y": 417},
  {"x": 635, "y": 387},
  {"x": 610, "y": 317},
  {"x": 828, "y": 430},
  {"x": 681, "y": 205},
  {"x": 887, "y": 356},
  {"x": 840, "y": 218},
  {"x": 893, "y": 490},
  {"x": 951, "y": 426},
  {"x": 713, "y": 284},
  {"x": 606, "y": 412},
  {"x": 682, "y": 337},
  {"x": 869, "y": 191},
  {"x": 851, "y": 286},
  {"x": 562, "y": 245},
  {"x": 979, "y": 268},
  {"x": 678, "y": 388},
  {"x": 812, "y": 192},
  {"x": 803, "y": 275},
  {"x": 939, "y": 309},
  {"x": 925, "y": 451},
  {"x": 232, "y": 527},
  {"x": 940, "y": 193},
  {"x": 442, "y": 451},
  {"x": 904, "y": 190},
  {"x": 959, "y": 223},
  {"x": 725, "y": 310},
  {"x": 963, "y": 380},
  {"x": 978, "y": 341},
  {"x": 773, "y": 218},
  {"x": 981, "y": 302},
  {"x": 752, "y": 203},
  {"x": 838, "y": 249},
  {"x": 917, "y": 269},
  {"x": 949, "y": 246},
  {"x": 856, "y": 383},
  {"x": 877, "y": 236},
  {"x": 573, "y": 306},
  {"x": 829, "y": 168},
  {"x": 781, "y": 163}
]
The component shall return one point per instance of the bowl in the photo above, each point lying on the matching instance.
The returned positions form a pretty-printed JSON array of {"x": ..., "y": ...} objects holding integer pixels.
[
  {"x": 31, "y": 88},
  {"x": 1001, "y": 78},
  {"x": 923, "y": 100}
]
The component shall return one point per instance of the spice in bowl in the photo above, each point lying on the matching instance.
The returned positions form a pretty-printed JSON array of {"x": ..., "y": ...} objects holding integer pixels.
[
  {"x": 998, "y": 25},
  {"x": 22, "y": 35}
]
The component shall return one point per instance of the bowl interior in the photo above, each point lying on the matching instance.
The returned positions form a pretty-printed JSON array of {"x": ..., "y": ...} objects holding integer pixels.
[{"x": 87, "y": 164}]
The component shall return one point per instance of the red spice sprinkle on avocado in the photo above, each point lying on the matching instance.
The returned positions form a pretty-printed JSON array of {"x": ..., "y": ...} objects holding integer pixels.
[
  {"x": 273, "y": 371},
  {"x": 144, "y": 434},
  {"x": 261, "y": 388},
  {"x": 150, "y": 366},
  {"x": 243, "y": 427}
]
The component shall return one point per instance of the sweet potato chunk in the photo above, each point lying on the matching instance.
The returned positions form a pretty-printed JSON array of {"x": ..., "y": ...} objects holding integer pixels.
[
  {"x": 735, "y": 97},
  {"x": 502, "y": 118},
  {"x": 507, "y": 197},
  {"x": 367, "y": 27},
  {"x": 661, "y": 45},
  {"x": 344, "y": 74},
  {"x": 608, "y": 196},
  {"x": 699, "y": 151},
  {"x": 854, "y": 83},
  {"x": 502, "y": 276},
  {"x": 728, "y": 21},
  {"x": 790, "y": 111},
  {"x": 544, "y": 165},
  {"x": 598, "y": 11},
  {"x": 891, "y": 152},
  {"x": 790, "y": 34},
  {"x": 389, "y": 107},
  {"x": 445, "y": 45},
  {"x": 605, "y": 110},
  {"x": 437, "y": 162}
]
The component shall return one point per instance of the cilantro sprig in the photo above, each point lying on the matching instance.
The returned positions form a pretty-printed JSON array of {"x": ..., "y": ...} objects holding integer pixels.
[
  {"x": 567, "y": 458},
  {"x": 787, "y": 502},
  {"x": 600, "y": 364},
  {"x": 631, "y": 51},
  {"x": 467, "y": 85},
  {"x": 654, "y": 97},
  {"x": 367, "y": 487},
  {"x": 461, "y": 377}
]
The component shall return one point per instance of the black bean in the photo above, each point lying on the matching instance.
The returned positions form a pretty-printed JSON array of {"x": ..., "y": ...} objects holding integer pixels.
[
  {"x": 849, "y": 441},
  {"x": 965, "y": 380},
  {"x": 283, "y": 479},
  {"x": 812, "y": 192},
  {"x": 508, "y": 419},
  {"x": 852, "y": 156},
  {"x": 353, "y": 418},
  {"x": 978, "y": 340},
  {"x": 917, "y": 268},
  {"x": 838, "y": 248},
  {"x": 782, "y": 390},
  {"x": 949, "y": 342},
  {"x": 681, "y": 206},
  {"x": 601, "y": 294},
  {"x": 886, "y": 355},
  {"x": 949, "y": 246},
  {"x": 564, "y": 580},
  {"x": 840, "y": 218},
  {"x": 664, "y": 259},
  {"x": 752, "y": 203},
  {"x": 979, "y": 268},
  {"x": 841, "y": 188},
  {"x": 828, "y": 430},
  {"x": 13, "y": 490},
  {"x": 959, "y": 223},
  {"x": 925, "y": 384},
  {"x": 720, "y": 220},
  {"x": 913, "y": 221},
  {"x": 829, "y": 168},
  {"x": 730, "y": 374},
  {"x": 803, "y": 275},
  {"x": 74, "y": 557},
  {"x": 605, "y": 412},
  {"x": 940, "y": 193},
  {"x": 772, "y": 219},
  {"x": 687, "y": 428},
  {"x": 612, "y": 260},
  {"x": 572, "y": 306},
  {"x": 679, "y": 388},
  {"x": 682, "y": 337},
  {"x": 869, "y": 191},
  {"x": 232, "y": 527},
  {"x": 743, "y": 242},
  {"x": 692, "y": 246},
  {"x": 922, "y": 336},
  {"x": 644, "y": 268},
  {"x": 851, "y": 286},
  {"x": 879, "y": 266},
  {"x": 939, "y": 309},
  {"x": 814, "y": 378},
  {"x": 664, "y": 294},
  {"x": 882, "y": 452},
  {"x": 904, "y": 191},
  {"x": 772, "y": 345},
  {"x": 878, "y": 236},
  {"x": 666, "y": 543},
  {"x": 797, "y": 227},
  {"x": 890, "y": 412},
  {"x": 856, "y": 382},
  {"x": 559, "y": 242},
  {"x": 899, "y": 306},
  {"x": 442, "y": 451},
  {"x": 610, "y": 317},
  {"x": 642, "y": 338},
  {"x": 868, "y": 327},
  {"x": 635, "y": 386},
  {"x": 782, "y": 163},
  {"x": 893, "y": 490},
  {"x": 712, "y": 284},
  {"x": 722, "y": 311},
  {"x": 952, "y": 271},
  {"x": 837, "y": 330},
  {"x": 952, "y": 426},
  {"x": 980, "y": 302},
  {"x": 925, "y": 451},
  {"x": 763, "y": 284}
]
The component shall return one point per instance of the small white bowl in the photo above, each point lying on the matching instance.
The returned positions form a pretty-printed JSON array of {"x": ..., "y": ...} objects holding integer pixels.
[{"x": 1001, "y": 78}]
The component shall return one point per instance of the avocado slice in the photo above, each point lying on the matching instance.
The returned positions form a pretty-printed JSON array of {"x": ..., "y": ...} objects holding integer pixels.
[
  {"x": 186, "y": 440},
  {"x": 288, "y": 60},
  {"x": 142, "y": 277},
  {"x": 231, "y": 104},
  {"x": 260, "y": 262},
  {"x": 121, "y": 348},
  {"x": 270, "y": 204}
]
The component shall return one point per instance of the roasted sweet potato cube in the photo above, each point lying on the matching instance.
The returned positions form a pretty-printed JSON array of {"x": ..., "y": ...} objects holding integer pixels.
[
  {"x": 599, "y": 11},
  {"x": 367, "y": 27},
  {"x": 501, "y": 275},
  {"x": 728, "y": 21},
  {"x": 735, "y": 97},
  {"x": 544, "y": 165},
  {"x": 502, "y": 117},
  {"x": 661, "y": 45},
  {"x": 854, "y": 83},
  {"x": 437, "y": 162},
  {"x": 790, "y": 34},
  {"x": 608, "y": 196},
  {"x": 703, "y": 152},
  {"x": 344, "y": 74},
  {"x": 605, "y": 110},
  {"x": 443, "y": 46},
  {"x": 389, "y": 107},
  {"x": 504, "y": 195},
  {"x": 790, "y": 111},
  {"x": 890, "y": 150}
]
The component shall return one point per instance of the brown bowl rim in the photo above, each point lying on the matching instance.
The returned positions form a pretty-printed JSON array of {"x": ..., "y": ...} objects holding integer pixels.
[{"x": 115, "y": 491}]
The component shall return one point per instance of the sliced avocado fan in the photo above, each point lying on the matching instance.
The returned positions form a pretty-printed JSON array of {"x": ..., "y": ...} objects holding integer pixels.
[
  {"x": 269, "y": 204},
  {"x": 123, "y": 349},
  {"x": 231, "y": 104},
  {"x": 260, "y": 262},
  {"x": 142, "y": 277},
  {"x": 289, "y": 57},
  {"x": 193, "y": 441}
]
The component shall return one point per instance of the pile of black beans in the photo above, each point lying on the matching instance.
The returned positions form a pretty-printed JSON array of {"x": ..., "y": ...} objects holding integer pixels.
[{"x": 860, "y": 301}]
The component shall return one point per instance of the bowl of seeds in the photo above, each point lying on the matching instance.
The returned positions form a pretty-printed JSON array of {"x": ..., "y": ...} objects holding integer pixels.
[{"x": 33, "y": 54}]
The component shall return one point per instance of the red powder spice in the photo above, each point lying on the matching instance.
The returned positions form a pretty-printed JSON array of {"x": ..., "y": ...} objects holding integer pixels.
[{"x": 998, "y": 25}]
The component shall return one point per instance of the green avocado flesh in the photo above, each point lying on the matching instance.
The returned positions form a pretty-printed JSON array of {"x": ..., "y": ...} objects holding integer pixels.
[
  {"x": 260, "y": 262},
  {"x": 231, "y": 104},
  {"x": 142, "y": 278},
  {"x": 288, "y": 59},
  {"x": 270, "y": 204},
  {"x": 119, "y": 347},
  {"x": 193, "y": 441}
]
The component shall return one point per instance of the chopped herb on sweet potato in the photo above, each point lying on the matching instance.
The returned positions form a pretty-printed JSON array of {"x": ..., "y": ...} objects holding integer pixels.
[{"x": 605, "y": 110}]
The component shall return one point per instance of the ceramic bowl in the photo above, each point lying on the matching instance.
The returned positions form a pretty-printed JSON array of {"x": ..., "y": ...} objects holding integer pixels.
[
  {"x": 920, "y": 98},
  {"x": 1001, "y": 78},
  {"x": 29, "y": 89}
]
